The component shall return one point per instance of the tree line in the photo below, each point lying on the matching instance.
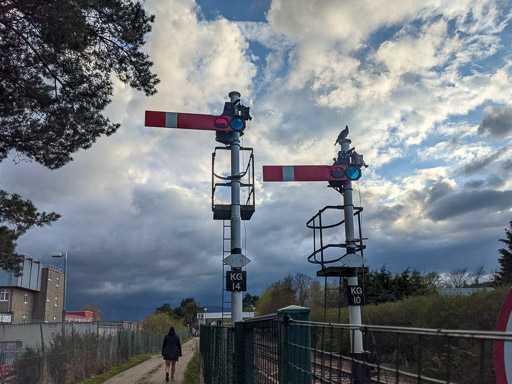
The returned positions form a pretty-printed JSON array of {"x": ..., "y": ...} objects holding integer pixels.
[
  {"x": 180, "y": 317},
  {"x": 381, "y": 285}
]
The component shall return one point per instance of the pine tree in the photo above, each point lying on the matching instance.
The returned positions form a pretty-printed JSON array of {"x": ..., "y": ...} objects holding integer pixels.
[
  {"x": 56, "y": 62},
  {"x": 55, "y": 72},
  {"x": 504, "y": 275}
]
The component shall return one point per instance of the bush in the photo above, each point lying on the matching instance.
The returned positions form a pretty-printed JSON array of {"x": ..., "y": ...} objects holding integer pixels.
[{"x": 478, "y": 311}]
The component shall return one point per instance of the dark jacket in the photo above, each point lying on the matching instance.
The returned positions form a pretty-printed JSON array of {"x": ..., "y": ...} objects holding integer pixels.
[{"x": 171, "y": 349}]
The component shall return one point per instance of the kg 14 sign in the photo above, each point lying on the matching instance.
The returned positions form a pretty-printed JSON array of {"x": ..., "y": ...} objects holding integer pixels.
[{"x": 236, "y": 281}]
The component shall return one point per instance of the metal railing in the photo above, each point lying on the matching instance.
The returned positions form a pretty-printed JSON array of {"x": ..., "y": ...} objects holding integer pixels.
[
  {"x": 285, "y": 348},
  {"x": 217, "y": 347},
  {"x": 75, "y": 356}
]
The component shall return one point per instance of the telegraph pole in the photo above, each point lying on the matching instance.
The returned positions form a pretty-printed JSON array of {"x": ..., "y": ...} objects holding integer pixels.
[{"x": 236, "y": 220}]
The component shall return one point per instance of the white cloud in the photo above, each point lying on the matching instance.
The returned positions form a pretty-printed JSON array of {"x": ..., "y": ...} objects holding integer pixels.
[{"x": 408, "y": 77}]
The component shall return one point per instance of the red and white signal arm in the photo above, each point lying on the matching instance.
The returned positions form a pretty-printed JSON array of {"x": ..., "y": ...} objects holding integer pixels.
[
  {"x": 503, "y": 349},
  {"x": 311, "y": 172},
  {"x": 194, "y": 121}
]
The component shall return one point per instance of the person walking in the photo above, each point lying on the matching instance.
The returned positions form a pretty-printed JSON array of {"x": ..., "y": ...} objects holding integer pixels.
[{"x": 171, "y": 351}]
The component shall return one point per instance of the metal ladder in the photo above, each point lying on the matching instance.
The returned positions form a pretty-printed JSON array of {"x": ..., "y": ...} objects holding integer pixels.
[
  {"x": 332, "y": 299},
  {"x": 226, "y": 251}
]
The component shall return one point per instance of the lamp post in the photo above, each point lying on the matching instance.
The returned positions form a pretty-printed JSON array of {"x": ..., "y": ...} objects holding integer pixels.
[{"x": 65, "y": 256}]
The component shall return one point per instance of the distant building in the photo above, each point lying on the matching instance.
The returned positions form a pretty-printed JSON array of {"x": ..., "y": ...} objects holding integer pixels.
[
  {"x": 205, "y": 318},
  {"x": 79, "y": 317},
  {"x": 34, "y": 296}
]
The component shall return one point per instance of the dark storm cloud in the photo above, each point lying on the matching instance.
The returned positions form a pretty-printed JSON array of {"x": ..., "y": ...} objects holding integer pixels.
[
  {"x": 469, "y": 201},
  {"x": 439, "y": 190},
  {"x": 507, "y": 165},
  {"x": 497, "y": 122},
  {"x": 492, "y": 182},
  {"x": 478, "y": 164},
  {"x": 474, "y": 184}
]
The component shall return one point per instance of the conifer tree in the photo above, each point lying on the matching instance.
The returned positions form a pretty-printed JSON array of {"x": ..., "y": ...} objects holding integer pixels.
[
  {"x": 56, "y": 62},
  {"x": 504, "y": 275}
]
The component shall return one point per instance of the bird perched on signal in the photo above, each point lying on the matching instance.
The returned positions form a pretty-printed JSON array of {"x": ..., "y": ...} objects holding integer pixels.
[{"x": 343, "y": 134}]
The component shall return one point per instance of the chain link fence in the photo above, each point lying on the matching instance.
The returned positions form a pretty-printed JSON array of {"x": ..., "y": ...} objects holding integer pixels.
[
  {"x": 71, "y": 352},
  {"x": 287, "y": 348}
]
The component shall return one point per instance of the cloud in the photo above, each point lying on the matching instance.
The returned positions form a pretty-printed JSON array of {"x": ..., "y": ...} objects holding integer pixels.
[
  {"x": 465, "y": 202},
  {"x": 479, "y": 164},
  {"x": 409, "y": 78},
  {"x": 497, "y": 122}
]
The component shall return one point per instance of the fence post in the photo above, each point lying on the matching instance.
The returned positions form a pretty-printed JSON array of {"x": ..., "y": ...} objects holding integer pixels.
[
  {"x": 239, "y": 359},
  {"x": 296, "y": 346}
]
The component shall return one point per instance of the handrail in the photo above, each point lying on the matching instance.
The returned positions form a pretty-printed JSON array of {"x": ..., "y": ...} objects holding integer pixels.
[
  {"x": 507, "y": 336},
  {"x": 357, "y": 210}
]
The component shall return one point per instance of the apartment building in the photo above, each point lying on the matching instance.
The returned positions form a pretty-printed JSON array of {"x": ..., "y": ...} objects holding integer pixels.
[{"x": 36, "y": 295}]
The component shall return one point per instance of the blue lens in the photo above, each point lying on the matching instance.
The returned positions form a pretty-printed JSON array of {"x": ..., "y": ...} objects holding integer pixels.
[
  {"x": 353, "y": 173},
  {"x": 237, "y": 124}
]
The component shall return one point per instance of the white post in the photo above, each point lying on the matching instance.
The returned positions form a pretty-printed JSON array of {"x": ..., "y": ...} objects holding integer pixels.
[
  {"x": 354, "y": 311},
  {"x": 236, "y": 220}
]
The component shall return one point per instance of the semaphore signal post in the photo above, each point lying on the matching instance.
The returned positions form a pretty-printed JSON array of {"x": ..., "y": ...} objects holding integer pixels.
[
  {"x": 346, "y": 168},
  {"x": 229, "y": 126}
]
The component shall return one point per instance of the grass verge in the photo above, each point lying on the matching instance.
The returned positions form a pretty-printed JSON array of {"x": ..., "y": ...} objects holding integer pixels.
[
  {"x": 194, "y": 371},
  {"x": 133, "y": 361}
]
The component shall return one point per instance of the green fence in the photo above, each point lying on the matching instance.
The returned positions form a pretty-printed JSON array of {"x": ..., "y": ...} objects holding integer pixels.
[
  {"x": 261, "y": 350},
  {"x": 287, "y": 348},
  {"x": 75, "y": 357}
]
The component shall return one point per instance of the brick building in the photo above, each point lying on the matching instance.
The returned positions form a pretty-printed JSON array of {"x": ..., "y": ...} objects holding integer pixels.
[
  {"x": 34, "y": 296},
  {"x": 79, "y": 317}
]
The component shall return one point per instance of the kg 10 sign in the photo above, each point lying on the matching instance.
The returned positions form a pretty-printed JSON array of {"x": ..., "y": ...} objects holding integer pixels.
[
  {"x": 236, "y": 281},
  {"x": 356, "y": 295}
]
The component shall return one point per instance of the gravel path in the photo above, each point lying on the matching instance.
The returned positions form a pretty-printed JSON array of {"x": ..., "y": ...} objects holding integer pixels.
[{"x": 152, "y": 371}]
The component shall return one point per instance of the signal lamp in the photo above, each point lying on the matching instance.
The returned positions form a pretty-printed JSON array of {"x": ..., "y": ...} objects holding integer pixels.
[
  {"x": 337, "y": 172},
  {"x": 221, "y": 122},
  {"x": 237, "y": 124},
  {"x": 353, "y": 173}
]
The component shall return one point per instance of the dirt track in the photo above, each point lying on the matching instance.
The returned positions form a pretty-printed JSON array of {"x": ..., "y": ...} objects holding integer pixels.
[{"x": 152, "y": 371}]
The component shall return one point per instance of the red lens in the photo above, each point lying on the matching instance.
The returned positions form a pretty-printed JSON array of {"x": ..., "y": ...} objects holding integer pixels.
[{"x": 221, "y": 122}]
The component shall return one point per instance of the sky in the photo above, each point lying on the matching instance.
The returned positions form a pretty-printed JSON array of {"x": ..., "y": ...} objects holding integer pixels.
[{"x": 425, "y": 87}]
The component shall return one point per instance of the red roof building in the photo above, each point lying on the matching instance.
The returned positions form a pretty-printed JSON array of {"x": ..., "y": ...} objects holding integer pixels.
[{"x": 79, "y": 317}]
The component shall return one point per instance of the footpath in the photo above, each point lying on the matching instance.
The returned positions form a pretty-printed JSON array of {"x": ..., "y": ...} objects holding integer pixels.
[{"x": 152, "y": 371}]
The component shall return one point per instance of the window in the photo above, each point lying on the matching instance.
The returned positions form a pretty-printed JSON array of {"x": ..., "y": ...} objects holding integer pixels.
[
  {"x": 56, "y": 300},
  {"x": 24, "y": 319},
  {"x": 25, "y": 298},
  {"x": 46, "y": 320},
  {"x": 4, "y": 294},
  {"x": 54, "y": 319},
  {"x": 50, "y": 275},
  {"x": 47, "y": 297},
  {"x": 58, "y": 281}
]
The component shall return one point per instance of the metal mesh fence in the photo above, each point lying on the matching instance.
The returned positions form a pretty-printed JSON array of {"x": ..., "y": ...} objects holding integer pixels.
[
  {"x": 217, "y": 349},
  {"x": 78, "y": 355},
  {"x": 262, "y": 349},
  {"x": 279, "y": 349}
]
